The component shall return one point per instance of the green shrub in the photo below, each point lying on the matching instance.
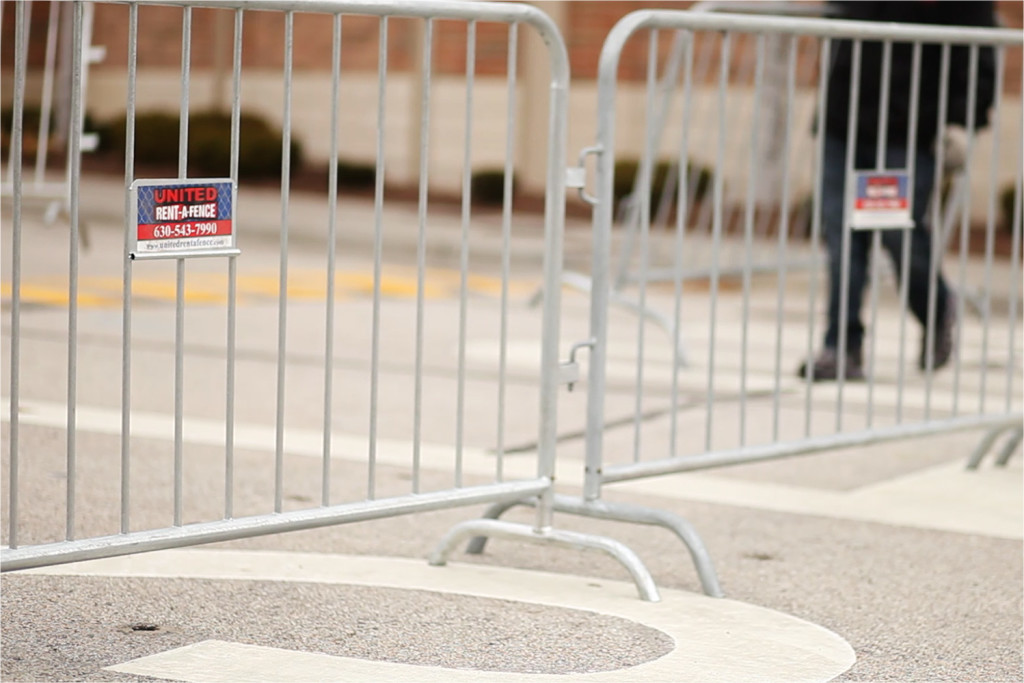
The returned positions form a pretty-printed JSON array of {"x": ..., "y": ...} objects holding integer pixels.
[
  {"x": 209, "y": 144},
  {"x": 700, "y": 180},
  {"x": 488, "y": 187},
  {"x": 1006, "y": 199},
  {"x": 356, "y": 175},
  {"x": 30, "y": 131},
  {"x": 29, "y": 119}
]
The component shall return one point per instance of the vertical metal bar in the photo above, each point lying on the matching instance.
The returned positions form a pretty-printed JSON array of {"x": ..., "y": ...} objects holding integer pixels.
[
  {"x": 824, "y": 61},
  {"x": 332, "y": 245},
  {"x": 126, "y": 285},
  {"x": 378, "y": 242},
  {"x": 681, "y": 213},
  {"x": 844, "y": 278},
  {"x": 601, "y": 282},
  {"x": 15, "y": 151},
  {"x": 904, "y": 288},
  {"x": 716, "y": 243},
  {"x": 706, "y": 117},
  {"x": 186, "y": 72},
  {"x": 657, "y": 128},
  {"x": 1015, "y": 259},
  {"x": 881, "y": 151},
  {"x": 965, "y": 216},
  {"x": 667, "y": 89},
  {"x": 990, "y": 227},
  {"x": 506, "y": 235},
  {"x": 179, "y": 318},
  {"x": 936, "y": 211},
  {"x": 882, "y": 141},
  {"x": 421, "y": 245},
  {"x": 45, "y": 107},
  {"x": 282, "y": 316},
  {"x": 27, "y": 6},
  {"x": 554, "y": 227},
  {"x": 75, "y": 160},
  {"x": 467, "y": 171},
  {"x": 646, "y": 176},
  {"x": 748, "y": 231},
  {"x": 229, "y": 408},
  {"x": 179, "y": 343},
  {"x": 741, "y": 75},
  {"x": 783, "y": 233}
]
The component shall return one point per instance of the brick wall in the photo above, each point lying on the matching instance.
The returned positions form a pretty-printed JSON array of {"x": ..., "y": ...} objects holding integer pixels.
[
  {"x": 160, "y": 39},
  {"x": 584, "y": 24}
]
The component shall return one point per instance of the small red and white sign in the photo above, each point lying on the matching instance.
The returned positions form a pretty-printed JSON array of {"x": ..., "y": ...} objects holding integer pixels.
[
  {"x": 179, "y": 218},
  {"x": 881, "y": 200}
]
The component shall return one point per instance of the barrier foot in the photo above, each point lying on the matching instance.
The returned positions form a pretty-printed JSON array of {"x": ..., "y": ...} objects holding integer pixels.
[
  {"x": 986, "y": 444},
  {"x": 625, "y": 512},
  {"x": 582, "y": 283},
  {"x": 656, "y": 318},
  {"x": 566, "y": 539},
  {"x": 495, "y": 511},
  {"x": 1010, "y": 446},
  {"x": 622, "y": 512}
]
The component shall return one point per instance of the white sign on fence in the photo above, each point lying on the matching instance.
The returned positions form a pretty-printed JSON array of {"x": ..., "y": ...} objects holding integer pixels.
[
  {"x": 180, "y": 218},
  {"x": 881, "y": 200}
]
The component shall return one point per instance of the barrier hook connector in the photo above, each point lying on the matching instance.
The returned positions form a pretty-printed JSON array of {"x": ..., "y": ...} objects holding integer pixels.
[
  {"x": 576, "y": 176},
  {"x": 570, "y": 370}
]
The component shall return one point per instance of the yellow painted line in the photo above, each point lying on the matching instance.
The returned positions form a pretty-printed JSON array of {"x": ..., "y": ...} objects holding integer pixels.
[
  {"x": 206, "y": 288},
  {"x": 55, "y": 296}
]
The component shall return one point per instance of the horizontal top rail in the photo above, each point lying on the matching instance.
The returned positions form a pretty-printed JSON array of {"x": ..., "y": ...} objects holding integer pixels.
[
  {"x": 508, "y": 12},
  {"x": 772, "y": 7},
  {"x": 823, "y": 28}
]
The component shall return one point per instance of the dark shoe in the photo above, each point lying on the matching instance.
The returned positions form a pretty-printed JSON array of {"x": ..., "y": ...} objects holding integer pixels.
[
  {"x": 945, "y": 338},
  {"x": 826, "y": 366}
]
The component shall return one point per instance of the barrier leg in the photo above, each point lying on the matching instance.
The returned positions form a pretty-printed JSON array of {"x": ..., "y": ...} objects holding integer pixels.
[
  {"x": 578, "y": 281},
  {"x": 1010, "y": 446},
  {"x": 656, "y": 318},
  {"x": 986, "y": 445},
  {"x": 567, "y": 539},
  {"x": 582, "y": 283},
  {"x": 624, "y": 512},
  {"x": 495, "y": 511}
]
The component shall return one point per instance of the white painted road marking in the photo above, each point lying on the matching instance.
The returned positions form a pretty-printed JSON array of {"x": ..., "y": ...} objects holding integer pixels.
[
  {"x": 987, "y": 502},
  {"x": 716, "y": 639}
]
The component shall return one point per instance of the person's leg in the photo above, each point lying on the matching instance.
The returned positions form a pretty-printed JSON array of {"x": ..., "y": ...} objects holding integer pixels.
[
  {"x": 833, "y": 201},
  {"x": 855, "y": 269},
  {"x": 920, "y": 267}
]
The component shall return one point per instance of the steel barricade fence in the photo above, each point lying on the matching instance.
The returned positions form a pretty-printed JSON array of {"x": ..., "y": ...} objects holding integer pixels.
[
  {"x": 705, "y": 161},
  {"x": 702, "y": 165},
  {"x": 49, "y": 123},
  {"x": 740, "y": 399},
  {"x": 199, "y": 403}
]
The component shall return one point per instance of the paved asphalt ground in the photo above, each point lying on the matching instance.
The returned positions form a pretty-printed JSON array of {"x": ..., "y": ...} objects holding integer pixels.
[{"x": 881, "y": 563}]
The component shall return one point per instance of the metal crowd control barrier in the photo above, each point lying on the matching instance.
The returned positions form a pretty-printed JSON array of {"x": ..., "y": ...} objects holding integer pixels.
[
  {"x": 258, "y": 497},
  {"x": 739, "y": 400},
  {"x": 51, "y": 124},
  {"x": 663, "y": 186}
]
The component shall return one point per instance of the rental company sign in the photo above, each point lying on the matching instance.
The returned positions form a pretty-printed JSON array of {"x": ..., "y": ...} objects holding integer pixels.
[
  {"x": 180, "y": 218},
  {"x": 881, "y": 200}
]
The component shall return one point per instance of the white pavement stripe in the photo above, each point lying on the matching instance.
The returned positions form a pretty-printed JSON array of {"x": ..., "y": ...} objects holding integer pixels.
[
  {"x": 760, "y": 378},
  {"x": 716, "y": 639},
  {"x": 305, "y": 442},
  {"x": 986, "y": 502}
]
